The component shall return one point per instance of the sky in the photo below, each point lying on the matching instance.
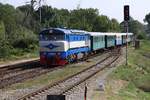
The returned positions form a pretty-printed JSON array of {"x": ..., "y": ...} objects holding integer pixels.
[{"x": 111, "y": 8}]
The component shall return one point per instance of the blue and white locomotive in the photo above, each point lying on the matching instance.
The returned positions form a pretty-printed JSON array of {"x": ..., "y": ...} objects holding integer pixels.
[{"x": 60, "y": 46}]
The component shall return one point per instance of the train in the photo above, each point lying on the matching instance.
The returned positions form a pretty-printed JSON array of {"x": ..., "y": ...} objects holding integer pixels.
[{"x": 60, "y": 46}]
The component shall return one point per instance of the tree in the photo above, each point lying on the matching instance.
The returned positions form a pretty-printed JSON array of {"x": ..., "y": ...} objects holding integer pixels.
[
  {"x": 114, "y": 25},
  {"x": 101, "y": 24},
  {"x": 2, "y": 31},
  {"x": 83, "y": 18},
  {"x": 4, "y": 47},
  {"x": 16, "y": 30},
  {"x": 23, "y": 38},
  {"x": 29, "y": 18},
  {"x": 135, "y": 27},
  {"x": 147, "y": 19},
  {"x": 8, "y": 17}
]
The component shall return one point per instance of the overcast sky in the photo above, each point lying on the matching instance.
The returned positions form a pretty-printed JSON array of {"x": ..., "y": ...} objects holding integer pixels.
[{"x": 111, "y": 8}]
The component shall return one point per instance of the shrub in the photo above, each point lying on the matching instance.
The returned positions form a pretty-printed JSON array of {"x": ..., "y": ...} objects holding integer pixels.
[
  {"x": 4, "y": 49},
  {"x": 23, "y": 38},
  {"x": 143, "y": 83},
  {"x": 4, "y": 46}
]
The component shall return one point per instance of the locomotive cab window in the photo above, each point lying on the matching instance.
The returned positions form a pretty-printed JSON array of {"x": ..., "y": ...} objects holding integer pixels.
[{"x": 52, "y": 36}]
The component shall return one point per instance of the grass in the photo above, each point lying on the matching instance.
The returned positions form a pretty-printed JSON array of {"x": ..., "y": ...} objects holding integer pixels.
[{"x": 137, "y": 74}]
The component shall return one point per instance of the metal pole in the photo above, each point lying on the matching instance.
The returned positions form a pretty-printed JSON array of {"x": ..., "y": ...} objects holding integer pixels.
[
  {"x": 40, "y": 14},
  {"x": 127, "y": 42},
  {"x": 40, "y": 11},
  {"x": 85, "y": 92}
]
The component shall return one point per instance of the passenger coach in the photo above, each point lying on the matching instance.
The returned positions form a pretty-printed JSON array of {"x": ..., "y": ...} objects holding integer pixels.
[{"x": 97, "y": 40}]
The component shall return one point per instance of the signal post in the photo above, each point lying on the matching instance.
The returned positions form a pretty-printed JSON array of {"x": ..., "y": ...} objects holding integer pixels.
[{"x": 126, "y": 26}]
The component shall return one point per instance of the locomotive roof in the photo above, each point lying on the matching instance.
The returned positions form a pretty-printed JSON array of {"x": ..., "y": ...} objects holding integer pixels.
[{"x": 62, "y": 31}]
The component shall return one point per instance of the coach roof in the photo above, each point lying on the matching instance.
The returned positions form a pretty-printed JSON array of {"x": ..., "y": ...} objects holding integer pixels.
[
  {"x": 109, "y": 34},
  {"x": 100, "y": 33}
]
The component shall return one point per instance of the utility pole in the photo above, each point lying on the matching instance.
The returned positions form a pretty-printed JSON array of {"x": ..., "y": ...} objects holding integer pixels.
[
  {"x": 32, "y": 5},
  {"x": 78, "y": 5},
  {"x": 126, "y": 21},
  {"x": 40, "y": 10}
]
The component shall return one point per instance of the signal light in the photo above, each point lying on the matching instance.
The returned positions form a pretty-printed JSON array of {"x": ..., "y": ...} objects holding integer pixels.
[{"x": 126, "y": 13}]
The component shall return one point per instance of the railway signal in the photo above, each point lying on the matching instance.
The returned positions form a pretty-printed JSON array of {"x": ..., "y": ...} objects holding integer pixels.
[
  {"x": 126, "y": 19},
  {"x": 126, "y": 13}
]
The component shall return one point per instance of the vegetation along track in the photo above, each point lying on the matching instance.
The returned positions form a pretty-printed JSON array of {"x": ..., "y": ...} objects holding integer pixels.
[
  {"x": 23, "y": 71},
  {"x": 68, "y": 83}
]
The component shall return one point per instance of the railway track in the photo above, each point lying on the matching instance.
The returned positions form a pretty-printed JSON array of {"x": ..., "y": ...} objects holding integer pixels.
[
  {"x": 10, "y": 74},
  {"x": 22, "y": 76},
  {"x": 10, "y": 68},
  {"x": 68, "y": 83},
  {"x": 23, "y": 71}
]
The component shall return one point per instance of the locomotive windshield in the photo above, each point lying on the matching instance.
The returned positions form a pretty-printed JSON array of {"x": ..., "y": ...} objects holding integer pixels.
[{"x": 51, "y": 36}]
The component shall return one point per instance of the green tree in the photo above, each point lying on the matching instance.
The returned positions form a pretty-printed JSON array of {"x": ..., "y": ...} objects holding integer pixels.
[
  {"x": 114, "y": 26},
  {"x": 4, "y": 47},
  {"x": 135, "y": 27},
  {"x": 83, "y": 18},
  {"x": 8, "y": 17},
  {"x": 28, "y": 18},
  {"x": 147, "y": 19},
  {"x": 24, "y": 38},
  {"x": 102, "y": 24}
]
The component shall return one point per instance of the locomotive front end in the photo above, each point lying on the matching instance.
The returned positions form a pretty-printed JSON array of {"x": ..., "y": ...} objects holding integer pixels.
[{"x": 52, "y": 47}]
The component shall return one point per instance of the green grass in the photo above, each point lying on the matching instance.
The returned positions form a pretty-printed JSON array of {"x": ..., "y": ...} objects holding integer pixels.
[{"x": 137, "y": 74}]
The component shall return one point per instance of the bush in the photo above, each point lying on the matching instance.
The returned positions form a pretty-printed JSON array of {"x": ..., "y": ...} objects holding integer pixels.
[
  {"x": 4, "y": 49},
  {"x": 4, "y": 46},
  {"x": 140, "y": 36},
  {"x": 143, "y": 83},
  {"x": 24, "y": 38}
]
